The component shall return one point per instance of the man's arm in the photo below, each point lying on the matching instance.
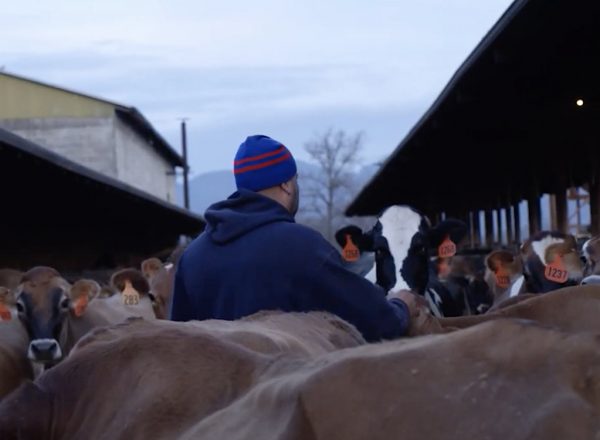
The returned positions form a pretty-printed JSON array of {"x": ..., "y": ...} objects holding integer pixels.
[{"x": 358, "y": 301}]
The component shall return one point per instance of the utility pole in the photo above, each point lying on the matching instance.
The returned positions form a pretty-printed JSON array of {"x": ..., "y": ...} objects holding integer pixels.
[{"x": 186, "y": 193}]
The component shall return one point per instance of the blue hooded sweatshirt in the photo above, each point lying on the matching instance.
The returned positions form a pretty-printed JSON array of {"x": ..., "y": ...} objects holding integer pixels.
[{"x": 253, "y": 256}]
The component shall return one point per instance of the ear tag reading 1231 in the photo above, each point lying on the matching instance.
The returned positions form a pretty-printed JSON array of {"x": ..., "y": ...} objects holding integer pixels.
[
  {"x": 502, "y": 278},
  {"x": 447, "y": 248},
  {"x": 131, "y": 297},
  {"x": 556, "y": 270},
  {"x": 350, "y": 251}
]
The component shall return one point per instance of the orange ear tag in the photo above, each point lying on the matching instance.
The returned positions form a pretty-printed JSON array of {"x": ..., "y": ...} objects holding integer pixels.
[
  {"x": 502, "y": 278},
  {"x": 447, "y": 248},
  {"x": 556, "y": 271},
  {"x": 130, "y": 296},
  {"x": 80, "y": 305},
  {"x": 5, "y": 314},
  {"x": 350, "y": 251}
]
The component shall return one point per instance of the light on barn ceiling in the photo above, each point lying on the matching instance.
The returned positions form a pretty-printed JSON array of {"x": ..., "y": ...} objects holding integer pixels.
[{"x": 579, "y": 102}]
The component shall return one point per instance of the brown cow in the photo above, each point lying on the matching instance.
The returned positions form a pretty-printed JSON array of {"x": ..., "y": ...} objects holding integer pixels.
[
  {"x": 504, "y": 275},
  {"x": 161, "y": 278},
  {"x": 14, "y": 365},
  {"x": 571, "y": 309},
  {"x": 162, "y": 377},
  {"x": 56, "y": 314},
  {"x": 10, "y": 278},
  {"x": 501, "y": 380}
]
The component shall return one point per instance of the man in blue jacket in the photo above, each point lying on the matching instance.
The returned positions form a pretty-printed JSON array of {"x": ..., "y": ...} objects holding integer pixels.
[{"x": 253, "y": 256}]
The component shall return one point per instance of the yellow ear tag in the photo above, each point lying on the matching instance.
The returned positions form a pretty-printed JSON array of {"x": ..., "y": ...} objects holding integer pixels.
[
  {"x": 5, "y": 314},
  {"x": 447, "y": 248},
  {"x": 80, "y": 305},
  {"x": 130, "y": 296},
  {"x": 350, "y": 251},
  {"x": 502, "y": 278},
  {"x": 556, "y": 271}
]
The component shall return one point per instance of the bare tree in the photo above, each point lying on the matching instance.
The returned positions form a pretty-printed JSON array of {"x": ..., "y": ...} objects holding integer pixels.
[{"x": 336, "y": 155}]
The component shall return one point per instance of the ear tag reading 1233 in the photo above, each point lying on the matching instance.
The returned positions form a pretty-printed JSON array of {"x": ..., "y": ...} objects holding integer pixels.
[
  {"x": 350, "y": 251},
  {"x": 502, "y": 278},
  {"x": 556, "y": 270},
  {"x": 447, "y": 248},
  {"x": 131, "y": 297}
]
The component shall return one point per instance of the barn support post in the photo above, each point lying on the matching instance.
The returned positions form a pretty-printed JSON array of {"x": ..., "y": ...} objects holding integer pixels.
[
  {"x": 476, "y": 229},
  {"x": 508, "y": 216},
  {"x": 499, "y": 226},
  {"x": 562, "y": 221},
  {"x": 534, "y": 210},
  {"x": 489, "y": 228},
  {"x": 553, "y": 216},
  {"x": 517, "y": 222}
]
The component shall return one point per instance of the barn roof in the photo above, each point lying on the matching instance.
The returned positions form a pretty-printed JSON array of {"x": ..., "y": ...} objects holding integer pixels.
[
  {"x": 129, "y": 114},
  {"x": 55, "y": 209},
  {"x": 507, "y": 123}
]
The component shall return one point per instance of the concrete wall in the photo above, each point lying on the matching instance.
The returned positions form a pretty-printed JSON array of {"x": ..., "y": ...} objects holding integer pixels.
[
  {"x": 140, "y": 165},
  {"x": 85, "y": 130},
  {"x": 21, "y": 98},
  {"x": 87, "y": 141}
]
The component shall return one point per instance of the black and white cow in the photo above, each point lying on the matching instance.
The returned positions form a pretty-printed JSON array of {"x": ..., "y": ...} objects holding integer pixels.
[
  {"x": 551, "y": 261},
  {"x": 403, "y": 244}
]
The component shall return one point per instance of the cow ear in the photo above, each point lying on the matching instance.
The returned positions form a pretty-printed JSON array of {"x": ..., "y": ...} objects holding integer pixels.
[
  {"x": 6, "y": 301},
  {"x": 82, "y": 292},
  {"x": 455, "y": 230},
  {"x": 134, "y": 277},
  {"x": 151, "y": 266},
  {"x": 7, "y": 296},
  {"x": 354, "y": 233}
]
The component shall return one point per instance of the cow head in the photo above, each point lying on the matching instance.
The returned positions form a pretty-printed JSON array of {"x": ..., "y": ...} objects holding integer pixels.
[
  {"x": 468, "y": 272},
  {"x": 45, "y": 302},
  {"x": 502, "y": 270},
  {"x": 402, "y": 241},
  {"x": 551, "y": 252},
  {"x": 160, "y": 278}
]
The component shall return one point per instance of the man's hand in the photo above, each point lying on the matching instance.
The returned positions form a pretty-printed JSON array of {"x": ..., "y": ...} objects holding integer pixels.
[
  {"x": 422, "y": 322},
  {"x": 413, "y": 301}
]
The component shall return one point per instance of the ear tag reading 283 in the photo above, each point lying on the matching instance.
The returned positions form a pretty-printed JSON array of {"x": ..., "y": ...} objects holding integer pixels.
[
  {"x": 350, "y": 251},
  {"x": 131, "y": 297},
  {"x": 447, "y": 248},
  {"x": 556, "y": 270},
  {"x": 502, "y": 278}
]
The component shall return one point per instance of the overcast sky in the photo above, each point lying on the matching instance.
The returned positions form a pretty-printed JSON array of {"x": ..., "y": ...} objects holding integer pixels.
[{"x": 287, "y": 69}]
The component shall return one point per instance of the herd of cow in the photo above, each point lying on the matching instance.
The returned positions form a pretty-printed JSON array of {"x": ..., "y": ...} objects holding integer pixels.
[{"x": 505, "y": 346}]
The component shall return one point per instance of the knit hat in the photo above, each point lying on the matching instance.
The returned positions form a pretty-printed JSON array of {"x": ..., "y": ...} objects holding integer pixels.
[{"x": 262, "y": 162}]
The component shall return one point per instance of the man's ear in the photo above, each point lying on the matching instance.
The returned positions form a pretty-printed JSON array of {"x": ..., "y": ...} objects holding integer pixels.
[{"x": 285, "y": 187}]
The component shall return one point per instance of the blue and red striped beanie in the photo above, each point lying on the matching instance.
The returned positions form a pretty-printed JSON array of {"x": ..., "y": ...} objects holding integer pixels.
[{"x": 262, "y": 162}]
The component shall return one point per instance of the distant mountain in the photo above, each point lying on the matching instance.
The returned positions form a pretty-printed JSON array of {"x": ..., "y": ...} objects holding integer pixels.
[{"x": 208, "y": 188}]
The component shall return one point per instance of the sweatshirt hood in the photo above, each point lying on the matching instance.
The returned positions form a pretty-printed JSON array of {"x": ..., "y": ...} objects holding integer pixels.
[{"x": 242, "y": 212}]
